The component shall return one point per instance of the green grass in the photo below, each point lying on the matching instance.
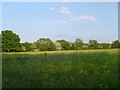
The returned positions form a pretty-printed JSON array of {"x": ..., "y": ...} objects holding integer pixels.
[{"x": 76, "y": 70}]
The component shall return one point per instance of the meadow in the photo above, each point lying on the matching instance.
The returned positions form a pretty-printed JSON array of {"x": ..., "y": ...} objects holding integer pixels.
[{"x": 60, "y": 69}]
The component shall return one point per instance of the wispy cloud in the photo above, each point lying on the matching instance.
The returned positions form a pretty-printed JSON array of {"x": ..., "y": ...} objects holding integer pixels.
[
  {"x": 61, "y": 22},
  {"x": 71, "y": 16},
  {"x": 52, "y": 9},
  {"x": 41, "y": 21},
  {"x": 80, "y": 18},
  {"x": 65, "y": 10}
]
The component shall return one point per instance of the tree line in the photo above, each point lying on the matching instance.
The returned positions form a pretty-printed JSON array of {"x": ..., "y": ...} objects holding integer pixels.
[{"x": 10, "y": 42}]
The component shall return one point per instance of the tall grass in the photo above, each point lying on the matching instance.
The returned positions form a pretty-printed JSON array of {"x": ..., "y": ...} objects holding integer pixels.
[{"x": 76, "y": 70}]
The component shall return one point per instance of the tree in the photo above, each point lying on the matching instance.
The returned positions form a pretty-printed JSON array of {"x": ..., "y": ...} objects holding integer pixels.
[
  {"x": 116, "y": 44},
  {"x": 45, "y": 44},
  {"x": 73, "y": 47},
  {"x": 106, "y": 45},
  {"x": 93, "y": 44},
  {"x": 34, "y": 47},
  {"x": 26, "y": 46},
  {"x": 65, "y": 45},
  {"x": 10, "y": 41},
  {"x": 85, "y": 46},
  {"x": 78, "y": 44},
  {"x": 58, "y": 46}
]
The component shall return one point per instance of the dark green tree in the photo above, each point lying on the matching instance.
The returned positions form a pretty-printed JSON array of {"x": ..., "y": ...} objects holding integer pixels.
[
  {"x": 10, "y": 41},
  {"x": 116, "y": 44},
  {"x": 78, "y": 44},
  {"x": 106, "y": 45},
  {"x": 45, "y": 44},
  {"x": 85, "y": 46},
  {"x": 93, "y": 44},
  {"x": 26, "y": 46},
  {"x": 65, "y": 44},
  {"x": 73, "y": 47}
]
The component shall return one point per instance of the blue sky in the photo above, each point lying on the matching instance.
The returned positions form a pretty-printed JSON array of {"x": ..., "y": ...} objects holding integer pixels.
[{"x": 60, "y": 20}]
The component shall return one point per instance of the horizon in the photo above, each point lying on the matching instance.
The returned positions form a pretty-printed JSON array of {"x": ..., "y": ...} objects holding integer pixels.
[
  {"x": 62, "y": 39},
  {"x": 56, "y": 20}
]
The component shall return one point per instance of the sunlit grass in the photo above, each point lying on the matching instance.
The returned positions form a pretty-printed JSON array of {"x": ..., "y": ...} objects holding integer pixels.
[
  {"x": 64, "y": 51},
  {"x": 59, "y": 70}
]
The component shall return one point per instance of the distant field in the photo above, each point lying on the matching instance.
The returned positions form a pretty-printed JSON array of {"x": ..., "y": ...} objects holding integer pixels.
[
  {"x": 65, "y": 52},
  {"x": 78, "y": 69}
]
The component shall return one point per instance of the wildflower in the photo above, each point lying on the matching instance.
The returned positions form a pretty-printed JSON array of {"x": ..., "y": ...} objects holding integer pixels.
[
  {"x": 81, "y": 71},
  {"x": 108, "y": 70}
]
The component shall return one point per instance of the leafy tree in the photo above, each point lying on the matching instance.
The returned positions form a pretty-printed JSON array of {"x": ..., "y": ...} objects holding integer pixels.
[
  {"x": 45, "y": 44},
  {"x": 58, "y": 46},
  {"x": 100, "y": 45},
  {"x": 116, "y": 44},
  {"x": 78, "y": 44},
  {"x": 26, "y": 46},
  {"x": 65, "y": 45},
  {"x": 73, "y": 47},
  {"x": 10, "y": 41},
  {"x": 34, "y": 47},
  {"x": 85, "y": 46},
  {"x": 106, "y": 45},
  {"x": 93, "y": 44}
]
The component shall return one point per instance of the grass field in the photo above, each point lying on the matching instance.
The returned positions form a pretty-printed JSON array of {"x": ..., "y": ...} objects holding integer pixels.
[{"x": 81, "y": 69}]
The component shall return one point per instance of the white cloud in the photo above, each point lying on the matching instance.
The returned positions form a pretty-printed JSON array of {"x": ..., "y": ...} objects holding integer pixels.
[
  {"x": 80, "y": 18},
  {"x": 65, "y": 10},
  {"x": 41, "y": 21},
  {"x": 88, "y": 18},
  {"x": 52, "y": 9},
  {"x": 61, "y": 22},
  {"x": 72, "y": 17}
]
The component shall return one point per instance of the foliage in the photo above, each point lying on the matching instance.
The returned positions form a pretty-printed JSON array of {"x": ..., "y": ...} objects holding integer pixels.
[
  {"x": 78, "y": 44},
  {"x": 116, "y": 44},
  {"x": 58, "y": 46},
  {"x": 106, "y": 45},
  {"x": 65, "y": 45},
  {"x": 10, "y": 41},
  {"x": 93, "y": 44},
  {"x": 45, "y": 44},
  {"x": 73, "y": 47},
  {"x": 26, "y": 46},
  {"x": 85, "y": 46}
]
